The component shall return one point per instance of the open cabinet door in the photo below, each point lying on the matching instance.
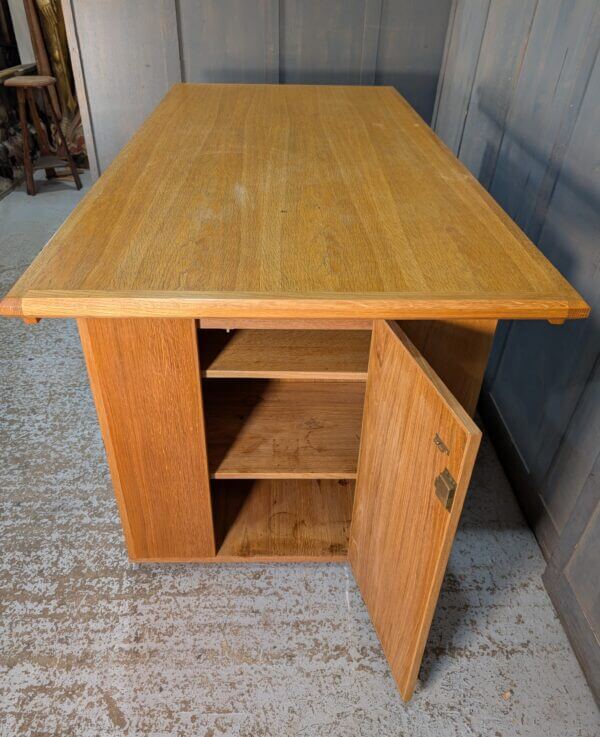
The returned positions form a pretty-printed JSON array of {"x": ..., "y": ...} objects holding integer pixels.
[{"x": 418, "y": 448}]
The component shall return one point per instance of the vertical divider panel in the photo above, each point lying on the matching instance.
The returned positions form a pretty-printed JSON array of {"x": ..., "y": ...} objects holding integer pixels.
[{"x": 145, "y": 378}]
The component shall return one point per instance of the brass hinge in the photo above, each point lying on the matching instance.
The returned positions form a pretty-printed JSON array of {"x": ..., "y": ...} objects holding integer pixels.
[{"x": 445, "y": 486}]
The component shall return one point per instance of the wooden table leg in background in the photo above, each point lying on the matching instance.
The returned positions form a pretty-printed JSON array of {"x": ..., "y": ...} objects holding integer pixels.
[
  {"x": 145, "y": 378},
  {"x": 43, "y": 141},
  {"x": 27, "y": 165}
]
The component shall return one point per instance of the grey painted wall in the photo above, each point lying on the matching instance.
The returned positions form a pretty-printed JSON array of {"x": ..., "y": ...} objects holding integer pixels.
[
  {"x": 132, "y": 51},
  {"x": 129, "y": 57},
  {"x": 229, "y": 40},
  {"x": 519, "y": 103},
  {"x": 21, "y": 29}
]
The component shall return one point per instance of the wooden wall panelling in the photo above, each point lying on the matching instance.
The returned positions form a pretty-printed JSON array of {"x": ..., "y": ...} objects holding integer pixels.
[
  {"x": 411, "y": 44},
  {"x": 544, "y": 369},
  {"x": 80, "y": 88},
  {"x": 503, "y": 46},
  {"x": 229, "y": 40},
  {"x": 582, "y": 569},
  {"x": 456, "y": 81},
  {"x": 585, "y": 510},
  {"x": 530, "y": 135},
  {"x": 446, "y": 65},
  {"x": 560, "y": 55},
  {"x": 21, "y": 29},
  {"x": 573, "y": 464},
  {"x": 145, "y": 377},
  {"x": 473, "y": 117},
  {"x": 317, "y": 41},
  {"x": 321, "y": 41},
  {"x": 505, "y": 33},
  {"x": 371, "y": 39},
  {"x": 130, "y": 57},
  {"x": 131, "y": 53},
  {"x": 570, "y": 576},
  {"x": 576, "y": 625}
]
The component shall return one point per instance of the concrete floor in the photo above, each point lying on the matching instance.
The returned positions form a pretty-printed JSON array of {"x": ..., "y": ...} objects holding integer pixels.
[{"x": 93, "y": 645}]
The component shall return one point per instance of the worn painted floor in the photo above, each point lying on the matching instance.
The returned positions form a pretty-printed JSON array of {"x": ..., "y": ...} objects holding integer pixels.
[{"x": 91, "y": 645}]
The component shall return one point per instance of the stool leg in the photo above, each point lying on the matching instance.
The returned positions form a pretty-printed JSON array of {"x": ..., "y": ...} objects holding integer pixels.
[
  {"x": 26, "y": 150},
  {"x": 63, "y": 141},
  {"x": 43, "y": 138}
]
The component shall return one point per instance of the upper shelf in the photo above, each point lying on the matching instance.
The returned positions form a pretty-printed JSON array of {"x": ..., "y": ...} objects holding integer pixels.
[
  {"x": 287, "y": 201},
  {"x": 334, "y": 355}
]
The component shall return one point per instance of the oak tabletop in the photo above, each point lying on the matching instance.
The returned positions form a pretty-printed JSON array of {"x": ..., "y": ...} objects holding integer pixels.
[{"x": 289, "y": 201}]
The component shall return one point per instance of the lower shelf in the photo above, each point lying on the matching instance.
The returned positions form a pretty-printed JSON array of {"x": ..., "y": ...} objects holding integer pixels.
[{"x": 286, "y": 520}]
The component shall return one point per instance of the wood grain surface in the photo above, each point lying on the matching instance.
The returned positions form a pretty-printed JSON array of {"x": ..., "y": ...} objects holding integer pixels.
[
  {"x": 289, "y": 201},
  {"x": 30, "y": 81},
  {"x": 293, "y": 354},
  {"x": 274, "y": 519},
  {"x": 457, "y": 350},
  {"x": 401, "y": 533},
  {"x": 227, "y": 323},
  {"x": 282, "y": 429},
  {"x": 145, "y": 380}
]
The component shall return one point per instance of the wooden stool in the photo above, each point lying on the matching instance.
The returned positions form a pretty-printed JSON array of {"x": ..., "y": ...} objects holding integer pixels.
[{"x": 25, "y": 87}]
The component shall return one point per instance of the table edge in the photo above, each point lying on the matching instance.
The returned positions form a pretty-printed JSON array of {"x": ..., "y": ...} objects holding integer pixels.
[{"x": 393, "y": 306}]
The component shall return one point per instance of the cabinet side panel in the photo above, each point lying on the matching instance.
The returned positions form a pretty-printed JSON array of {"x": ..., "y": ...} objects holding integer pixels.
[
  {"x": 145, "y": 378},
  {"x": 457, "y": 350}
]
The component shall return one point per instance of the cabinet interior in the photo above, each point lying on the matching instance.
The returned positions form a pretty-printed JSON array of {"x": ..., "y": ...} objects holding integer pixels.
[{"x": 283, "y": 413}]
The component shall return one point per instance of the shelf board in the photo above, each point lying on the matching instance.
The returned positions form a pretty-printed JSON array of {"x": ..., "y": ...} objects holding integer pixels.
[
  {"x": 282, "y": 519},
  {"x": 283, "y": 429},
  {"x": 341, "y": 355}
]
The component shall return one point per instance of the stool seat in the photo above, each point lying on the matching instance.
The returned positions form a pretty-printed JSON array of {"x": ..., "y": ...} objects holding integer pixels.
[
  {"x": 26, "y": 87},
  {"x": 32, "y": 80}
]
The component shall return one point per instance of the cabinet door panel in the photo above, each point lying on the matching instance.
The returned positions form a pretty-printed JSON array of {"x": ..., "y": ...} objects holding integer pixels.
[{"x": 418, "y": 448}]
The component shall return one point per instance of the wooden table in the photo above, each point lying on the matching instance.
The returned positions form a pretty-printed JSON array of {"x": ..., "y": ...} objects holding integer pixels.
[{"x": 286, "y": 297}]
